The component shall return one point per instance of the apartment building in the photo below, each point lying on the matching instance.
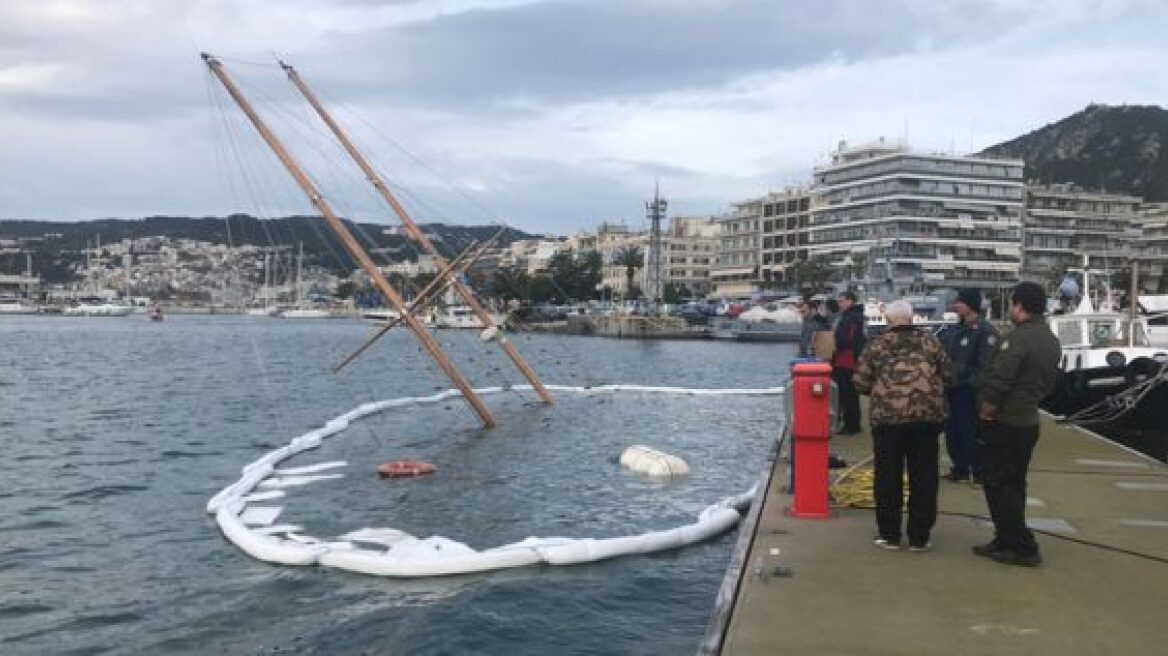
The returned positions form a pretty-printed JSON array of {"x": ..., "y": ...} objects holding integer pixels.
[
  {"x": 1063, "y": 223},
  {"x": 531, "y": 255},
  {"x": 786, "y": 218},
  {"x": 735, "y": 273},
  {"x": 610, "y": 239},
  {"x": 917, "y": 220},
  {"x": 1151, "y": 246},
  {"x": 691, "y": 248}
]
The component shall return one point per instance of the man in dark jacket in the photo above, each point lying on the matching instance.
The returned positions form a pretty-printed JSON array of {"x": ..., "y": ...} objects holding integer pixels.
[
  {"x": 849, "y": 344},
  {"x": 813, "y": 322},
  {"x": 969, "y": 345},
  {"x": 1020, "y": 374}
]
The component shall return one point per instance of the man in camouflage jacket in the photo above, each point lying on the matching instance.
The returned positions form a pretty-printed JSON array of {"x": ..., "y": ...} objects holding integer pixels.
[{"x": 905, "y": 372}]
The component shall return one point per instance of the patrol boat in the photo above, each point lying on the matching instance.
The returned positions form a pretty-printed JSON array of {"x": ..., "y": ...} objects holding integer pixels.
[{"x": 1104, "y": 354}]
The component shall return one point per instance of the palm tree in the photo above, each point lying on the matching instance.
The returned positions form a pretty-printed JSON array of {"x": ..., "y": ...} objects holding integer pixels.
[{"x": 631, "y": 258}]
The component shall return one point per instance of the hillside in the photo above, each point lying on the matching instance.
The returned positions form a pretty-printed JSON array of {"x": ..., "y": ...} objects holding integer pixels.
[
  {"x": 1119, "y": 149},
  {"x": 63, "y": 242}
]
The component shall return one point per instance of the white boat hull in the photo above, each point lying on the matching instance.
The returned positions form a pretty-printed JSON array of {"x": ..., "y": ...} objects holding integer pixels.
[
  {"x": 306, "y": 314},
  {"x": 18, "y": 308},
  {"x": 103, "y": 310}
]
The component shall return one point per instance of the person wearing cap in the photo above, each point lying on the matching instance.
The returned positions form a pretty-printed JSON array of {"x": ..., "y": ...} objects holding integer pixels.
[
  {"x": 849, "y": 344},
  {"x": 1021, "y": 373},
  {"x": 969, "y": 345}
]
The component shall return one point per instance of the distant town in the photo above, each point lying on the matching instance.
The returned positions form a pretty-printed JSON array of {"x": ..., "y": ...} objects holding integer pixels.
[{"x": 880, "y": 217}]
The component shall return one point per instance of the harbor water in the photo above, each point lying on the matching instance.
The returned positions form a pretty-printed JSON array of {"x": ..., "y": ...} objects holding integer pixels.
[{"x": 117, "y": 432}]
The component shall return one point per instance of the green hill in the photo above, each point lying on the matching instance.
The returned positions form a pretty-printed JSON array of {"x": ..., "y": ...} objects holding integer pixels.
[{"x": 1118, "y": 149}]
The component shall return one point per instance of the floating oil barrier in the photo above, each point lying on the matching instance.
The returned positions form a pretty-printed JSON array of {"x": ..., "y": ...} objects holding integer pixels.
[{"x": 391, "y": 552}]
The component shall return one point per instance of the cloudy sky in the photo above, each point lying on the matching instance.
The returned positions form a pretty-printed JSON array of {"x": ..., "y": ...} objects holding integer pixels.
[{"x": 550, "y": 115}]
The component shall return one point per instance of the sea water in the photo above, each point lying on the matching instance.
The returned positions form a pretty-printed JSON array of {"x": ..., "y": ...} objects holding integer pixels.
[{"x": 116, "y": 432}]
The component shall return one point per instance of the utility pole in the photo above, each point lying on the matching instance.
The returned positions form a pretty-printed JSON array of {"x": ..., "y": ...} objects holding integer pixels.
[
  {"x": 416, "y": 233},
  {"x": 352, "y": 245}
]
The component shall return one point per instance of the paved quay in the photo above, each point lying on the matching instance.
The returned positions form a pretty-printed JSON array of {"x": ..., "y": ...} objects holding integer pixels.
[{"x": 1103, "y": 588}]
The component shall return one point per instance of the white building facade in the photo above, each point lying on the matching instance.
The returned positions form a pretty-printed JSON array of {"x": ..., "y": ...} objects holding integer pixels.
[
  {"x": 918, "y": 220},
  {"x": 1063, "y": 223}
]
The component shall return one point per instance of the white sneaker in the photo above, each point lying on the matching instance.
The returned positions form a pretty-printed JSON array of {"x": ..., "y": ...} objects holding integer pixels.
[
  {"x": 886, "y": 544},
  {"x": 928, "y": 546}
]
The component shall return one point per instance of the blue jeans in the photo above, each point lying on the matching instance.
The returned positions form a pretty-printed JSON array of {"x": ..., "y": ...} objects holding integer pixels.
[{"x": 961, "y": 430}]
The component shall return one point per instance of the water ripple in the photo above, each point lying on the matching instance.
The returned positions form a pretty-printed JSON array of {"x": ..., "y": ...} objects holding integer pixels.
[{"x": 101, "y": 492}]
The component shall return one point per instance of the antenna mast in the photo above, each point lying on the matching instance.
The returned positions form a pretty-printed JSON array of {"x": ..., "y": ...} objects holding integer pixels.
[
  {"x": 416, "y": 233},
  {"x": 655, "y": 211},
  {"x": 352, "y": 245}
]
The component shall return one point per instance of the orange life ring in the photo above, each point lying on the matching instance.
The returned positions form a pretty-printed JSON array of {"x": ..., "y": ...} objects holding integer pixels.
[{"x": 404, "y": 468}]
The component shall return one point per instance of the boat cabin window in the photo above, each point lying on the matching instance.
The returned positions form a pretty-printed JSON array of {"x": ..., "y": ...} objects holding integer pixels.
[
  {"x": 1102, "y": 332},
  {"x": 1070, "y": 332}
]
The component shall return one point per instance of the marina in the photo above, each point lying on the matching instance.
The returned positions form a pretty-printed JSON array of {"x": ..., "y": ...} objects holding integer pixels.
[
  {"x": 820, "y": 586},
  {"x": 539, "y": 327}
]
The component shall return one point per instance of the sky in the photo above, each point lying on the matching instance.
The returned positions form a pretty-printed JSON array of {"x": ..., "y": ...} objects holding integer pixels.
[{"x": 548, "y": 115}]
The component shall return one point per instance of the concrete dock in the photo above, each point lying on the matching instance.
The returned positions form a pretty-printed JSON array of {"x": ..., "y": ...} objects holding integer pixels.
[{"x": 822, "y": 587}]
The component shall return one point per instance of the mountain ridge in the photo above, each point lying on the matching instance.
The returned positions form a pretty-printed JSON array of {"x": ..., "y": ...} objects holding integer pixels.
[{"x": 1109, "y": 148}]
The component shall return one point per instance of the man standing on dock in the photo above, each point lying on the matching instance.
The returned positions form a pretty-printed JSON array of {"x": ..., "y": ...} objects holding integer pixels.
[
  {"x": 905, "y": 371},
  {"x": 1020, "y": 374},
  {"x": 969, "y": 345},
  {"x": 813, "y": 322},
  {"x": 849, "y": 344}
]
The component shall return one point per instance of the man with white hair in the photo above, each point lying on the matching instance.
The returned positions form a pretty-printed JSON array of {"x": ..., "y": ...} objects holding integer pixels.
[{"x": 905, "y": 372}]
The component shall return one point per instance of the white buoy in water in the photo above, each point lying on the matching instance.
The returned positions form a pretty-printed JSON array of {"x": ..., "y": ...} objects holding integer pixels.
[{"x": 653, "y": 462}]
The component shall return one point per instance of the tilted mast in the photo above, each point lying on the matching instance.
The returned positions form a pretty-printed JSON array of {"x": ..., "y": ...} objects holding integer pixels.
[
  {"x": 414, "y": 232},
  {"x": 352, "y": 245}
]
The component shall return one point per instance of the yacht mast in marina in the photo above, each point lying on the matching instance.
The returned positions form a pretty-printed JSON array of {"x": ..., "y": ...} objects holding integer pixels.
[
  {"x": 414, "y": 232},
  {"x": 351, "y": 244}
]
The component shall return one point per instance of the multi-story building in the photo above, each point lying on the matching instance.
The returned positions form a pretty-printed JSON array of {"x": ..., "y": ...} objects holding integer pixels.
[
  {"x": 917, "y": 220},
  {"x": 1151, "y": 247},
  {"x": 786, "y": 217},
  {"x": 1063, "y": 223},
  {"x": 691, "y": 246},
  {"x": 735, "y": 274},
  {"x": 531, "y": 255},
  {"x": 611, "y": 240}
]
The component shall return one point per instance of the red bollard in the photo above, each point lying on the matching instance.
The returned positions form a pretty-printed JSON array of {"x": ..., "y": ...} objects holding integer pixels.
[{"x": 811, "y": 428}]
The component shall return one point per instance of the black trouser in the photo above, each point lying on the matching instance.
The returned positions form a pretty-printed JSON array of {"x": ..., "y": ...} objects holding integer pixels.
[
  {"x": 1004, "y": 455},
  {"x": 849, "y": 400},
  {"x": 894, "y": 445}
]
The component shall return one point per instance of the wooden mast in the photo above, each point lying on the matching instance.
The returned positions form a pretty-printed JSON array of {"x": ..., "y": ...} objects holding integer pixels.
[
  {"x": 415, "y": 233},
  {"x": 352, "y": 245}
]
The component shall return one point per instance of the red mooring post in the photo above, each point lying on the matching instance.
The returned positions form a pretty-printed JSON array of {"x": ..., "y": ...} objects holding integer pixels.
[{"x": 811, "y": 389}]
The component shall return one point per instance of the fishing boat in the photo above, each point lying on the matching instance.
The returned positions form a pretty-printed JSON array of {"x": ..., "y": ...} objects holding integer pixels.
[
  {"x": 461, "y": 317},
  {"x": 1104, "y": 354}
]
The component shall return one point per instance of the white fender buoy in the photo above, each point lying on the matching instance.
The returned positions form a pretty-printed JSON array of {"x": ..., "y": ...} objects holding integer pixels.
[{"x": 653, "y": 462}]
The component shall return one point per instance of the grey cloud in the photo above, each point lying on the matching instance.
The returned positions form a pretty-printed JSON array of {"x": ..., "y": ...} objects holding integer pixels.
[{"x": 574, "y": 50}]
